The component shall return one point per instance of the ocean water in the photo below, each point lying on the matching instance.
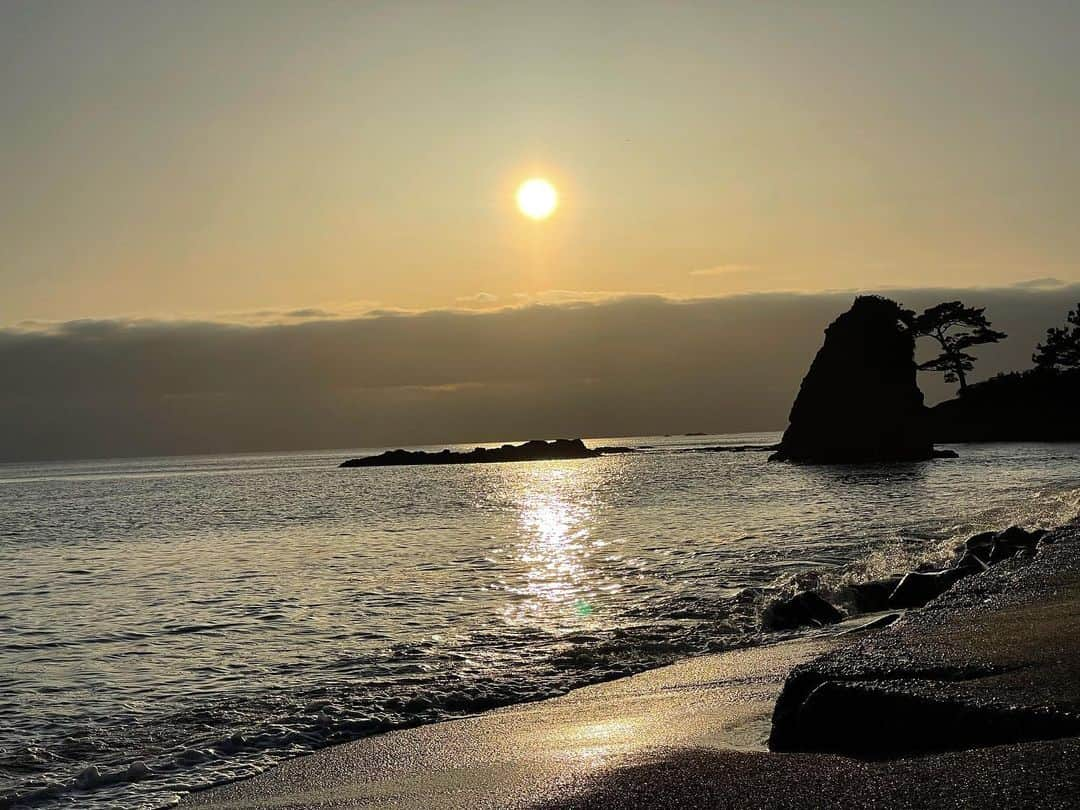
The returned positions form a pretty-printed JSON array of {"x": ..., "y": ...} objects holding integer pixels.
[{"x": 167, "y": 624}]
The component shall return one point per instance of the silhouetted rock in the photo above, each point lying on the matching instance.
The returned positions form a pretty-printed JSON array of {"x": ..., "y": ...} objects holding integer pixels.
[
  {"x": 871, "y": 596},
  {"x": 981, "y": 543},
  {"x": 1032, "y": 406},
  {"x": 88, "y": 778},
  {"x": 536, "y": 450},
  {"x": 1012, "y": 541},
  {"x": 859, "y": 401},
  {"x": 806, "y": 608},
  {"x": 972, "y": 563},
  {"x": 918, "y": 588},
  {"x": 612, "y": 451}
]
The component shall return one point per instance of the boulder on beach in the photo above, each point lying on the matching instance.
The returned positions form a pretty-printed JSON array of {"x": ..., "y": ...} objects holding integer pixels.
[{"x": 859, "y": 401}]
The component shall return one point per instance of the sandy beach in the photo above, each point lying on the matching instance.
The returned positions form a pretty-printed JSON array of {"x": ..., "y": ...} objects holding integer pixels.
[
  {"x": 545, "y": 751},
  {"x": 987, "y": 672}
]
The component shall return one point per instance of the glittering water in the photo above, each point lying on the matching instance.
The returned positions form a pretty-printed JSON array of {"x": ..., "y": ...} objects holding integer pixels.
[{"x": 176, "y": 622}]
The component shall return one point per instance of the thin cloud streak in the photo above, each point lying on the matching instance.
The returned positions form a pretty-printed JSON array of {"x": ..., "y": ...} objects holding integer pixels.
[
  {"x": 723, "y": 270},
  {"x": 1039, "y": 284}
]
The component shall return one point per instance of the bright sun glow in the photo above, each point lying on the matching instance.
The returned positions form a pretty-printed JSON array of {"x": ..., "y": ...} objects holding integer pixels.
[{"x": 537, "y": 198}]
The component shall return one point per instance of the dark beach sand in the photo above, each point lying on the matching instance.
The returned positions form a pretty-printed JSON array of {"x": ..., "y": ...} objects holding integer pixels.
[{"x": 979, "y": 693}]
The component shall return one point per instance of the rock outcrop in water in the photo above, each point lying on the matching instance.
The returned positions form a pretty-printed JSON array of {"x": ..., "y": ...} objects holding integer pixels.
[
  {"x": 802, "y": 610},
  {"x": 536, "y": 450},
  {"x": 859, "y": 401}
]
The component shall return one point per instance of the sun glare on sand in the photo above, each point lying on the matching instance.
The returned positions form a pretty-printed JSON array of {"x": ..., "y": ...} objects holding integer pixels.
[{"x": 537, "y": 198}]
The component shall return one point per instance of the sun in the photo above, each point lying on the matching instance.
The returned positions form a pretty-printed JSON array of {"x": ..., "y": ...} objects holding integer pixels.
[{"x": 537, "y": 198}]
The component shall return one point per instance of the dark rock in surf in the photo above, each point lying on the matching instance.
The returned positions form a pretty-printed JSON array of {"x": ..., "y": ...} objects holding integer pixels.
[
  {"x": 987, "y": 548},
  {"x": 536, "y": 450},
  {"x": 871, "y": 596},
  {"x": 88, "y": 778},
  {"x": 802, "y": 610},
  {"x": 1012, "y": 541},
  {"x": 1020, "y": 536},
  {"x": 981, "y": 543},
  {"x": 859, "y": 402},
  {"x": 137, "y": 771},
  {"x": 917, "y": 588}
]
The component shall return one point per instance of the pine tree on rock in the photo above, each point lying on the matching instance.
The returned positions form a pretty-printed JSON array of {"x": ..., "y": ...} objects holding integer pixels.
[
  {"x": 1061, "y": 351},
  {"x": 956, "y": 328}
]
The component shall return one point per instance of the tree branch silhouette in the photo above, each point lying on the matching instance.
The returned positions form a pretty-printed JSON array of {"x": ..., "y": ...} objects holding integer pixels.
[
  {"x": 1061, "y": 351},
  {"x": 955, "y": 328}
]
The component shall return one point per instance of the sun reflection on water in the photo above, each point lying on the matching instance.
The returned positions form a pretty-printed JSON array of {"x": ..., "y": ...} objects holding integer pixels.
[{"x": 558, "y": 587}]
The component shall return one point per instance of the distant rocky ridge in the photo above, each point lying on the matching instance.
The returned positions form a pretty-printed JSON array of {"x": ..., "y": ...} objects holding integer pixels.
[
  {"x": 731, "y": 448},
  {"x": 859, "y": 401},
  {"x": 535, "y": 450}
]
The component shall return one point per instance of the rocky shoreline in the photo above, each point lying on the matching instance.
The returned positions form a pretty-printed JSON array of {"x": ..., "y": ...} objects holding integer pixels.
[
  {"x": 913, "y": 589},
  {"x": 992, "y": 661}
]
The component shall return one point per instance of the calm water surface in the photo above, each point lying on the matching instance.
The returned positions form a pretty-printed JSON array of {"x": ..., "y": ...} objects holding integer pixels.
[{"x": 176, "y": 622}]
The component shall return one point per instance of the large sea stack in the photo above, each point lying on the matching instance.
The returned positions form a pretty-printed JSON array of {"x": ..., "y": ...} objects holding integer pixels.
[{"x": 859, "y": 401}]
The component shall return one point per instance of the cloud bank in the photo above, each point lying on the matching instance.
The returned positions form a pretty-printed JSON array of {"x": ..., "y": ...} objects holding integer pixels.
[{"x": 611, "y": 366}]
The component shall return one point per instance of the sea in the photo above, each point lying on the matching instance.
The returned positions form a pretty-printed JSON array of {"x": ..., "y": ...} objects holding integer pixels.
[{"x": 172, "y": 623}]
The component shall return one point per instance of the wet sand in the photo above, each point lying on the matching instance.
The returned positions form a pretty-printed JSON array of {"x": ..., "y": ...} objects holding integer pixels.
[
  {"x": 972, "y": 701},
  {"x": 541, "y": 752}
]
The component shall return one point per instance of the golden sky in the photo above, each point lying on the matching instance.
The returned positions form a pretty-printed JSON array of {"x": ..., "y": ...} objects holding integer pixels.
[{"x": 173, "y": 158}]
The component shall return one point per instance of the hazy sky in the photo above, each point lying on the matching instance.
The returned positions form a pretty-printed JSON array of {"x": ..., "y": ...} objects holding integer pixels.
[
  {"x": 166, "y": 158},
  {"x": 255, "y": 225},
  {"x": 630, "y": 365}
]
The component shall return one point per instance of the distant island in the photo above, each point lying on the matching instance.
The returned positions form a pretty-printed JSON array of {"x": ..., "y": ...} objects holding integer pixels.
[{"x": 535, "y": 450}]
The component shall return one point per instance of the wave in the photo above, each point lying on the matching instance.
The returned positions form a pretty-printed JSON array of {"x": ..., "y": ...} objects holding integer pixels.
[{"x": 241, "y": 735}]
